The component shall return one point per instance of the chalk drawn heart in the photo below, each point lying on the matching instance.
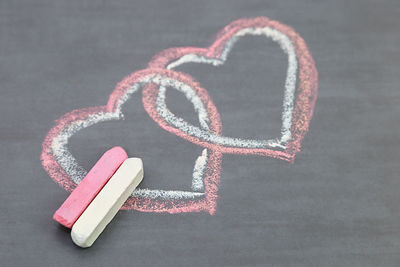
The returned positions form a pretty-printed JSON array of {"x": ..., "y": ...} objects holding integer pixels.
[
  {"x": 64, "y": 169},
  {"x": 297, "y": 110}
]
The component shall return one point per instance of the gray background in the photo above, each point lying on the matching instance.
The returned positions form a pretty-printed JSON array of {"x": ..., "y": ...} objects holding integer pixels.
[{"x": 337, "y": 205}]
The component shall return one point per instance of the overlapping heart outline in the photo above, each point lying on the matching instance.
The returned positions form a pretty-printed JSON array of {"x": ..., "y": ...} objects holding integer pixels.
[{"x": 298, "y": 106}]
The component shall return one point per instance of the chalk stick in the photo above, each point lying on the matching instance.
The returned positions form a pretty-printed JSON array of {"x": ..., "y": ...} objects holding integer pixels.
[
  {"x": 90, "y": 186},
  {"x": 107, "y": 203}
]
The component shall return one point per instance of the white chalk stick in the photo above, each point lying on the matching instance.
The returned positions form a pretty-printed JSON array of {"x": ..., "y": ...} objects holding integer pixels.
[{"x": 107, "y": 203}]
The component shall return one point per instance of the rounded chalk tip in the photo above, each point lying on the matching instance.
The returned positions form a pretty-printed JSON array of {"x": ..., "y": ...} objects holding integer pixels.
[
  {"x": 80, "y": 239},
  {"x": 135, "y": 161},
  {"x": 117, "y": 150}
]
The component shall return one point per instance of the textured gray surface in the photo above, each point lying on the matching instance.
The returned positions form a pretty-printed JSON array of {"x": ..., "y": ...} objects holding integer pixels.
[{"x": 337, "y": 205}]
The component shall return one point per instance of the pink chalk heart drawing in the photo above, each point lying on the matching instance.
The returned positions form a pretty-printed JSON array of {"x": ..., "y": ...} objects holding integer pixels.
[
  {"x": 298, "y": 105},
  {"x": 64, "y": 169},
  {"x": 297, "y": 109}
]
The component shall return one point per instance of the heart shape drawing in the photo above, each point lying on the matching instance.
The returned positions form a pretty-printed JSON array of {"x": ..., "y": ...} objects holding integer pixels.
[
  {"x": 64, "y": 169},
  {"x": 298, "y": 107}
]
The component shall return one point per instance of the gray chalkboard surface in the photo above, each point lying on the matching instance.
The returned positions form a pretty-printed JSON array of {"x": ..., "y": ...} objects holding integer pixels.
[{"x": 217, "y": 124}]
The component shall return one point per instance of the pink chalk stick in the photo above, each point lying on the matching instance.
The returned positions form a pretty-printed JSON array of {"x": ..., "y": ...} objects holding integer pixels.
[{"x": 90, "y": 186}]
